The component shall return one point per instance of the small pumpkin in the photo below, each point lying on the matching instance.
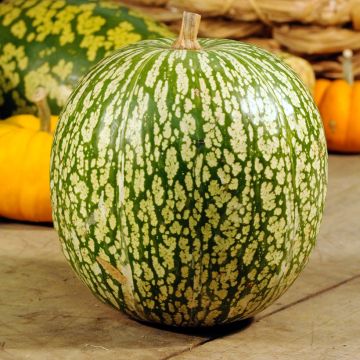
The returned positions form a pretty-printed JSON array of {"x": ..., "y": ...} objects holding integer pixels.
[
  {"x": 24, "y": 164},
  {"x": 339, "y": 105}
]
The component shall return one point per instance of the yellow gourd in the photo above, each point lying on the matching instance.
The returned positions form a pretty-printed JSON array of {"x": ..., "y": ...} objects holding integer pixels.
[{"x": 25, "y": 144}]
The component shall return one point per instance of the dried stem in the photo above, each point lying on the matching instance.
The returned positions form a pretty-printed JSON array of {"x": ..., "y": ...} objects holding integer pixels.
[
  {"x": 347, "y": 66},
  {"x": 39, "y": 98},
  {"x": 187, "y": 39}
]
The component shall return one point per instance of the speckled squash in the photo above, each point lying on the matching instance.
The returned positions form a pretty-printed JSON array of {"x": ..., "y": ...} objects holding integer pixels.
[
  {"x": 188, "y": 185},
  {"x": 52, "y": 43}
]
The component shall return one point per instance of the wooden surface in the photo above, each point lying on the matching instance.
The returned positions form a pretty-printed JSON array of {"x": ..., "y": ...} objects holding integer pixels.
[{"x": 46, "y": 312}]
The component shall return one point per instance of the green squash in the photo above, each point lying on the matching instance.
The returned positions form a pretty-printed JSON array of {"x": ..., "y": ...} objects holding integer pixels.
[
  {"x": 188, "y": 185},
  {"x": 53, "y": 43}
]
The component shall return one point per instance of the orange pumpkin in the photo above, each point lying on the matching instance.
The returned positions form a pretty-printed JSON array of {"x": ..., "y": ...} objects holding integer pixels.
[
  {"x": 25, "y": 144},
  {"x": 339, "y": 105}
]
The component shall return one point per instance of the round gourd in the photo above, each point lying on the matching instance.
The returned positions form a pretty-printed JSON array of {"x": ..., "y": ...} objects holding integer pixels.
[
  {"x": 188, "y": 179},
  {"x": 53, "y": 43},
  {"x": 339, "y": 105},
  {"x": 25, "y": 144}
]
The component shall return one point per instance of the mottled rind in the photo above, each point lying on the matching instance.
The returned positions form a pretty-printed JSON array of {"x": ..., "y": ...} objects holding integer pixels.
[
  {"x": 52, "y": 43},
  {"x": 199, "y": 175}
]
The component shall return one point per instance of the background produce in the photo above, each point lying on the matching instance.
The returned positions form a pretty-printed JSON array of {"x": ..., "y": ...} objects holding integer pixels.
[
  {"x": 25, "y": 143},
  {"x": 53, "y": 43},
  {"x": 339, "y": 104}
]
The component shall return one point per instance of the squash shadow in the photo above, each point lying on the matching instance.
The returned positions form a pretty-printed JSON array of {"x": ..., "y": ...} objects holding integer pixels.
[
  {"x": 5, "y": 221},
  {"x": 211, "y": 333}
]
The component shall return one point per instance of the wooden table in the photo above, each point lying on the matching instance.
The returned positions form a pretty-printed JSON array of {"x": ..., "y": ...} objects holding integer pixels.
[{"x": 46, "y": 312}]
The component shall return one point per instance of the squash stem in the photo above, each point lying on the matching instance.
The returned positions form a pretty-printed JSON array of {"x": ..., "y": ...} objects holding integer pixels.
[
  {"x": 347, "y": 66},
  {"x": 187, "y": 39},
  {"x": 44, "y": 113}
]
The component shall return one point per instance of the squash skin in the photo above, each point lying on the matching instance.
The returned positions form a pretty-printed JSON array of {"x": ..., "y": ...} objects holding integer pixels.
[
  {"x": 24, "y": 168},
  {"x": 339, "y": 105},
  {"x": 188, "y": 186},
  {"x": 54, "y": 43},
  {"x": 320, "y": 87}
]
